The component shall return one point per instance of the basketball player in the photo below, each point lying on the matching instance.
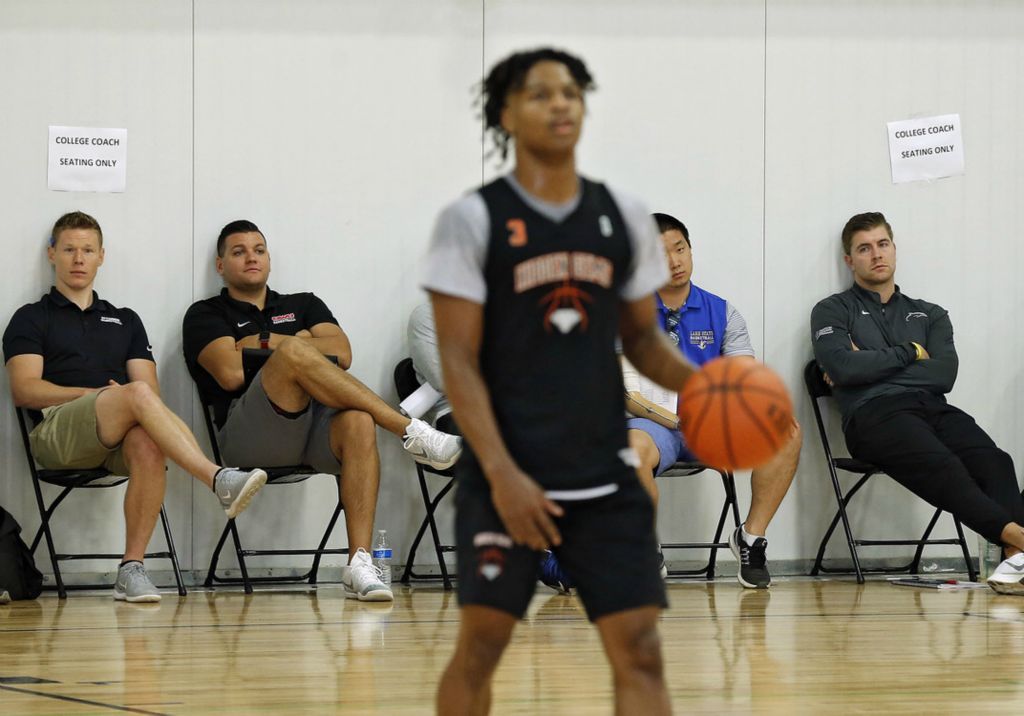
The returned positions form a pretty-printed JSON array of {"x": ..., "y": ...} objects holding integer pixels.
[{"x": 532, "y": 277}]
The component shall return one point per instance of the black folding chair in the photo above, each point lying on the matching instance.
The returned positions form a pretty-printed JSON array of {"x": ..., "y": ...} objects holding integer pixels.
[
  {"x": 818, "y": 389},
  {"x": 70, "y": 480},
  {"x": 689, "y": 469},
  {"x": 406, "y": 383},
  {"x": 281, "y": 475}
]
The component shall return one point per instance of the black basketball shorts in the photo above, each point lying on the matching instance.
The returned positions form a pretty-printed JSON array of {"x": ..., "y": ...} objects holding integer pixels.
[{"x": 608, "y": 549}]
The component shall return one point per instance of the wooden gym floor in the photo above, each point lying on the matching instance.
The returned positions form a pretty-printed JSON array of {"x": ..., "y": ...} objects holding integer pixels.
[{"x": 806, "y": 646}]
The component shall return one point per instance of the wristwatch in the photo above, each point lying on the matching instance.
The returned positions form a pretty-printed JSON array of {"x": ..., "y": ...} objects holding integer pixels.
[{"x": 264, "y": 340}]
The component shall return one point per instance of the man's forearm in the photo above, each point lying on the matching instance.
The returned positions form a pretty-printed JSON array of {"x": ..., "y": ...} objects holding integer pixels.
[
  {"x": 332, "y": 346},
  {"x": 37, "y": 394}
]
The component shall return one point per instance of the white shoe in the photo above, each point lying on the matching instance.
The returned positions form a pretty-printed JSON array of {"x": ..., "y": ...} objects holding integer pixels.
[
  {"x": 1008, "y": 577},
  {"x": 362, "y": 579},
  {"x": 430, "y": 446}
]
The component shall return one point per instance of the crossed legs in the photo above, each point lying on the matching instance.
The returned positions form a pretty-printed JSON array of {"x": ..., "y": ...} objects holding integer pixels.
[{"x": 134, "y": 417}]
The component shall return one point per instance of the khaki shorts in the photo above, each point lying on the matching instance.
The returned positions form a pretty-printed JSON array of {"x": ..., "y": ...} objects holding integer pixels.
[{"x": 67, "y": 439}]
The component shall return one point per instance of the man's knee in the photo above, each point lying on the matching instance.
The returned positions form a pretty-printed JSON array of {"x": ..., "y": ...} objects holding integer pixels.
[
  {"x": 295, "y": 353},
  {"x": 140, "y": 451},
  {"x": 638, "y": 653},
  {"x": 353, "y": 432},
  {"x": 137, "y": 394},
  {"x": 480, "y": 650},
  {"x": 645, "y": 448}
]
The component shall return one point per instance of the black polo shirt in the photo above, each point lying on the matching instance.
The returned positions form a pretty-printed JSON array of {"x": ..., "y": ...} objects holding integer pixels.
[
  {"x": 80, "y": 349},
  {"x": 219, "y": 316}
]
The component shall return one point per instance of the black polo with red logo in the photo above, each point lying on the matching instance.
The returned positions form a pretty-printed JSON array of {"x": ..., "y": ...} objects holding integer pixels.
[{"x": 219, "y": 316}]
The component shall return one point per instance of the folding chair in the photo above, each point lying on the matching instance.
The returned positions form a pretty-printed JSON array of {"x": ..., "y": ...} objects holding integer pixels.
[
  {"x": 281, "y": 475},
  {"x": 688, "y": 469},
  {"x": 406, "y": 383},
  {"x": 818, "y": 389},
  {"x": 69, "y": 480}
]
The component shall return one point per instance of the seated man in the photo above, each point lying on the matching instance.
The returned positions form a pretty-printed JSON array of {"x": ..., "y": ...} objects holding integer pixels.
[
  {"x": 427, "y": 362},
  {"x": 88, "y": 366},
  {"x": 891, "y": 360},
  {"x": 705, "y": 326},
  {"x": 300, "y": 408}
]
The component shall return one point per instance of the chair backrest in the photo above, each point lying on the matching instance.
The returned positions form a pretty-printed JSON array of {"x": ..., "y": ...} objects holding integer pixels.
[
  {"x": 814, "y": 381},
  {"x": 406, "y": 382}
]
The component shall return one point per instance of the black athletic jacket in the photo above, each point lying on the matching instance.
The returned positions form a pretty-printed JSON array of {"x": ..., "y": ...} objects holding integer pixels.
[{"x": 884, "y": 334}]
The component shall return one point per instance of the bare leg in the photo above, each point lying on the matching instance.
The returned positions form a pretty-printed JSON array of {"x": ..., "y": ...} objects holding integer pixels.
[
  {"x": 769, "y": 484},
  {"x": 354, "y": 443},
  {"x": 296, "y": 371},
  {"x": 465, "y": 688},
  {"x": 145, "y": 493},
  {"x": 1013, "y": 539},
  {"x": 120, "y": 408},
  {"x": 633, "y": 647},
  {"x": 649, "y": 459}
]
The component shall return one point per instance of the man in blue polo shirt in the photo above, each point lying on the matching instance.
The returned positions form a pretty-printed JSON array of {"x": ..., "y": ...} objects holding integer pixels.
[{"x": 705, "y": 326}]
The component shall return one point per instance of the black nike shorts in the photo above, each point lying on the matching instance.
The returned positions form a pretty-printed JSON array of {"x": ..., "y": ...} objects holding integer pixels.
[{"x": 608, "y": 549}]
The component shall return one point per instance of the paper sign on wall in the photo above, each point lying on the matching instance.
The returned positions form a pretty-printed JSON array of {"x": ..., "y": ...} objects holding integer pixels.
[
  {"x": 87, "y": 159},
  {"x": 926, "y": 148}
]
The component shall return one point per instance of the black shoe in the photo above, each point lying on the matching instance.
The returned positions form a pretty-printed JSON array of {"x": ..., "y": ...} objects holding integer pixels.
[{"x": 753, "y": 566}]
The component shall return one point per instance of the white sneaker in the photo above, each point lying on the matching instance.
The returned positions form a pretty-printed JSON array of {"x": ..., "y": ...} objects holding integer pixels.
[
  {"x": 362, "y": 579},
  {"x": 1008, "y": 577},
  {"x": 430, "y": 446}
]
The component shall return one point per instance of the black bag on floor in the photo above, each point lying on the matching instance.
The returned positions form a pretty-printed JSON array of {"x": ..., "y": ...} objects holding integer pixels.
[{"x": 18, "y": 574}]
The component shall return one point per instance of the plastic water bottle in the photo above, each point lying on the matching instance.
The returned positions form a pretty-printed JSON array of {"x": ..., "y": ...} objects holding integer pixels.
[{"x": 382, "y": 556}]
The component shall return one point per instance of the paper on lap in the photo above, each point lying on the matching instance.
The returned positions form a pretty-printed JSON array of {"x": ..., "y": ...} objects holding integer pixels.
[{"x": 633, "y": 381}]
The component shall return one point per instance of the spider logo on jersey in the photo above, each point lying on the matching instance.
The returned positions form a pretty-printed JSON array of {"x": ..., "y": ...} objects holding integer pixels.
[{"x": 565, "y": 304}]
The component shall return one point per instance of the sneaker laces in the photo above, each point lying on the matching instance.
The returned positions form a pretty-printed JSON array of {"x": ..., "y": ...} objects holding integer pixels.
[
  {"x": 754, "y": 555},
  {"x": 366, "y": 565},
  {"x": 433, "y": 440}
]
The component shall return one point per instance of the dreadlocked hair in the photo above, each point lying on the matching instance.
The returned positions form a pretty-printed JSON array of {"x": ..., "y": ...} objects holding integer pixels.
[{"x": 509, "y": 75}]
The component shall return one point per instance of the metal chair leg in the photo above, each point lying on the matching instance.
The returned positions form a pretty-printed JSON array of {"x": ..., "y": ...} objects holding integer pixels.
[{"x": 173, "y": 552}]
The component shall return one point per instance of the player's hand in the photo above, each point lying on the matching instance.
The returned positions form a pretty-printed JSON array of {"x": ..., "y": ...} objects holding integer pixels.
[
  {"x": 525, "y": 511},
  {"x": 854, "y": 345},
  {"x": 828, "y": 380},
  {"x": 924, "y": 353}
]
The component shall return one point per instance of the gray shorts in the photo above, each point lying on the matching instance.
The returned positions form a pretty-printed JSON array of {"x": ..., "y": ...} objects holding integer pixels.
[{"x": 256, "y": 435}]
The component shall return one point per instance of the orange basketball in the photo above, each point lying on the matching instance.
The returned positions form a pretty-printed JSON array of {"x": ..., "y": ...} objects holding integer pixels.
[{"x": 735, "y": 413}]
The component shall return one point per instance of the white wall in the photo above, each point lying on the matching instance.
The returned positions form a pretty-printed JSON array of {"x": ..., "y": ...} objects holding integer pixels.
[{"x": 342, "y": 127}]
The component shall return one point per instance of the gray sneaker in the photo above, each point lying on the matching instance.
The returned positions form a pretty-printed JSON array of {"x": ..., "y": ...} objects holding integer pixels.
[
  {"x": 430, "y": 446},
  {"x": 134, "y": 585},
  {"x": 235, "y": 488}
]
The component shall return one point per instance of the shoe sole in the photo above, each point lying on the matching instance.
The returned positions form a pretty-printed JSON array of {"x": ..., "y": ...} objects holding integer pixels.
[
  {"x": 122, "y": 597},
  {"x": 377, "y": 596},
  {"x": 424, "y": 460},
  {"x": 1006, "y": 587},
  {"x": 734, "y": 546},
  {"x": 253, "y": 485}
]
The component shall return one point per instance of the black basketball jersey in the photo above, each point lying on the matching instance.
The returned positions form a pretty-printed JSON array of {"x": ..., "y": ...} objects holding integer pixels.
[{"x": 551, "y": 319}]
